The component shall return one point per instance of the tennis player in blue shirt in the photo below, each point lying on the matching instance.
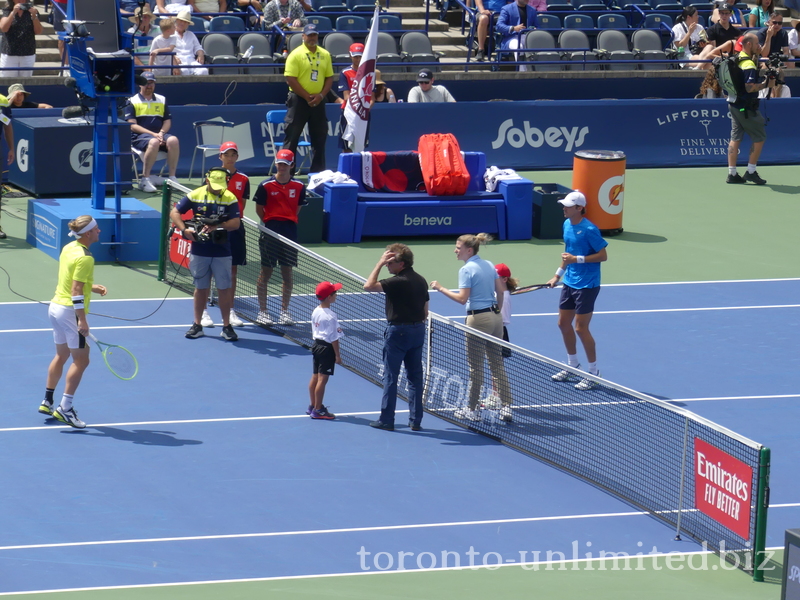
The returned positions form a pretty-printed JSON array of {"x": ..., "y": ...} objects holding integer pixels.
[{"x": 584, "y": 249}]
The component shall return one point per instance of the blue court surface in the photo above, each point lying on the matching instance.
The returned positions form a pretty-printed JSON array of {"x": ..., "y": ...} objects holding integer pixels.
[{"x": 205, "y": 467}]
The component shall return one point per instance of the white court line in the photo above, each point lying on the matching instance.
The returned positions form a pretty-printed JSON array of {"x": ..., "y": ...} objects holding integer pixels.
[
  {"x": 303, "y": 532},
  {"x": 190, "y": 421},
  {"x": 39, "y": 330}
]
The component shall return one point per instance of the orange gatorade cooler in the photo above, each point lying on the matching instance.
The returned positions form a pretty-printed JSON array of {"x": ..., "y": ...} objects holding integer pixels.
[{"x": 600, "y": 175}]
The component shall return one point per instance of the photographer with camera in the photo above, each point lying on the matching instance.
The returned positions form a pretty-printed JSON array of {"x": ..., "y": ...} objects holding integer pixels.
[
  {"x": 215, "y": 213},
  {"x": 743, "y": 107},
  {"x": 19, "y": 25}
]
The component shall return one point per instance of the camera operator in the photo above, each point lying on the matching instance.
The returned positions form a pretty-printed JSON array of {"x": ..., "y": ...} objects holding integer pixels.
[
  {"x": 216, "y": 212},
  {"x": 773, "y": 39},
  {"x": 745, "y": 116}
]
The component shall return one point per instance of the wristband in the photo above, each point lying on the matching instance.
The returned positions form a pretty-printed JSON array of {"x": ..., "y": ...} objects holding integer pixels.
[
  {"x": 77, "y": 300},
  {"x": 581, "y": 259},
  {"x": 560, "y": 272}
]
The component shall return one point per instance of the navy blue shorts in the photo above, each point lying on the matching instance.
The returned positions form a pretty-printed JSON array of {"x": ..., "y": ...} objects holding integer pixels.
[
  {"x": 324, "y": 357},
  {"x": 142, "y": 140},
  {"x": 581, "y": 301},
  {"x": 273, "y": 251},
  {"x": 238, "y": 246}
]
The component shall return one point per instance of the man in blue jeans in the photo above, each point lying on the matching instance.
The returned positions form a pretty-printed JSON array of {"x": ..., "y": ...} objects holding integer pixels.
[{"x": 406, "y": 311}]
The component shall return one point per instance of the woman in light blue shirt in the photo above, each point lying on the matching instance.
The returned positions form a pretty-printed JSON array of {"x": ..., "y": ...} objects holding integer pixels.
[{"x": 481, "y": 290}]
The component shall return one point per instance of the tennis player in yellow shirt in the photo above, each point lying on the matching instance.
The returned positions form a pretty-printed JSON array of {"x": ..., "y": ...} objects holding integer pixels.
[
  {"x": 67, "y": 312},
  {"x": 309, "y": 73}
]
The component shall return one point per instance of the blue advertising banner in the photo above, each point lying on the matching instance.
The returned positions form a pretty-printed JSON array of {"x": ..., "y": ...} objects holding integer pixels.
[{"x": 518, "y": 135}]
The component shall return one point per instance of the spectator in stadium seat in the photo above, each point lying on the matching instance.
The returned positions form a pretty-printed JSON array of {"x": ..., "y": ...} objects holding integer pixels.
[
  {"x": 773, "y": 39},
  {"x": 284, "y": 14},
  {"x": 174, "y": 7},
  {"x": 720, "y": 33},
  {"x": 381, "y": 93},
  {"x": 188, "y": 50},
  {"x": 163, "y": 47},
  {"x": 794, "y": 39},
  {"x": 211, "y": 6},
  {"x": 426, "y": 91},
  {"x": 710, "y": 87},
  {"x": 689, "y": 37},
  {"x": 143, "y": 31},
  {"x": 737, "y": 19},
  {"x": 781, "y": 90},
  {"x": 484, "y": 13},
  {"x": 760, "y": 14},
  {"x": 18, "y": 98},
  {"x": 514, "y": 18}
]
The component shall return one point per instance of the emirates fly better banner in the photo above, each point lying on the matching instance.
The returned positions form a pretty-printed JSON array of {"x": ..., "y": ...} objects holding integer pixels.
[{"x": 722, "y": 487}]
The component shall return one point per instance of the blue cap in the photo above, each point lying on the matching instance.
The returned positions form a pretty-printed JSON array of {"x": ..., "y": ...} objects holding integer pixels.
[
  {"x": 149, "y": 76},
  {"x": 310, "y": 29}
]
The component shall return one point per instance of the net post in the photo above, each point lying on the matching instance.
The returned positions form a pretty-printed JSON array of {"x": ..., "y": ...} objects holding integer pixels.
[
  {"x": 760, "y": 536},
  {"x": 162, "y": 250},
  {"x": 428, "y": 340},
  {"x": 683, "y": 477}
]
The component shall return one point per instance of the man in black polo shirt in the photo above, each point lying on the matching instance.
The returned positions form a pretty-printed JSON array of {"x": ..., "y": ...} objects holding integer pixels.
[
  {"x": 773, "y": 38},
  {"x": 406, "y": 310},
  {"x": 721, "y": 32}
]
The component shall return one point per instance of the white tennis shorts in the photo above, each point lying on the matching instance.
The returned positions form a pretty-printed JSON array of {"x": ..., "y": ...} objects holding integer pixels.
[{"x": 65, "y": 326}]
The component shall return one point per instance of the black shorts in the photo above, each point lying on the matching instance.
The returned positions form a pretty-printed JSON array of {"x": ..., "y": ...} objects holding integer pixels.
[
  {"x": 324, "y": 357},
  {"x": 273, "y": 251},
  {"x": 238, "y": 246},
  {"x": 581, "y": 301},
  {"x": 142, "y": 140}
]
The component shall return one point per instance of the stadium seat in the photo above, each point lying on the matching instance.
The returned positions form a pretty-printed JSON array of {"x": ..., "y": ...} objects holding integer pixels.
[
  {"x": 543, "y": 45},
  {"x": 647, "y": 45},
  {"x": 612, "y": 44},
  {"x": 654, "y": 20},
  {"x": 225, "y": 24},
  {"x": 323, "y": 23},
  {"x": 547, "y": 21},
  {"x": 578, "y": 49},
  {"x": 389, "y": 23},
  {"x": 261, "y": 59},
  {"x": 219, "y": 45},
  {"x": 415, "y": 46},
  {"x": 320, "y": 5},
  {"x": 675, "y": 7},
  {"x": 560, "y": 8},
  {"x": 612, "y": 21},
  {"x": 351, "y": 23},
  {"x": 198, "y": 25},
  {"x": 643, "y": 5},
  {"x": 578, "y": 22},
  {"x": 261, "y": 43},
  {"x": 338, "y": 44}
]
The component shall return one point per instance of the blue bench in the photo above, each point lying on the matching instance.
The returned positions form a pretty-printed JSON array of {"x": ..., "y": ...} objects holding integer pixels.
[{"x": 352, "y": 211}]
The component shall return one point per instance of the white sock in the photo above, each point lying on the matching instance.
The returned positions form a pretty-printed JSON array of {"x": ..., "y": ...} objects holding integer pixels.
[
  {"x": 572, "y": 360},
  {"x": 751, "y": 168},
  {"x": 66, "y": 401},
  {"x": 731, "y": 170},
  {"x": 593, "y": 369}
]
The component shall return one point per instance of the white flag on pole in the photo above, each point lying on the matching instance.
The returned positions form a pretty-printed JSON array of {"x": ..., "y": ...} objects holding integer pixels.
[{"x": 356, "y": 112}]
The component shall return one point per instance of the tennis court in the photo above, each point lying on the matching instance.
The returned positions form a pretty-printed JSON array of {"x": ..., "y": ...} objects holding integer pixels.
[{"x": 204, "y": 468}]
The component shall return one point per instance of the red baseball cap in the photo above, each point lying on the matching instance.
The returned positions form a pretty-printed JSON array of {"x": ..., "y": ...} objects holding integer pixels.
[
  {"x": 737, "y": 47},
  {"x": 326, "y": 288},
  {"x": 502, "y": 270},
  {"x": 356, "y": 49},
  {"x": 284, "y": 156},
  {"x": 228, "y": 146}
]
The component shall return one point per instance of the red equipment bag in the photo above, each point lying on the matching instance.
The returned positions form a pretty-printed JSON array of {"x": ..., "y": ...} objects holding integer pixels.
[{"x": 443, "y": 168}]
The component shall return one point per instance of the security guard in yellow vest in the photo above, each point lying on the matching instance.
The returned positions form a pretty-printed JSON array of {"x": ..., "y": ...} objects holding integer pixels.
[
  {"x": 150, "y": 120},
  {"x": 309, "y": 73},
  {"x": 8, "y": 130}
]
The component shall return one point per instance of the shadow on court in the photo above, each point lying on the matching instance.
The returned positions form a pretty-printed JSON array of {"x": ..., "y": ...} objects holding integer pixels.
[
  {"x": 641, "y": 238},
  {"x": 785, "y": 189},
  {"x": 143, "y": 437}
]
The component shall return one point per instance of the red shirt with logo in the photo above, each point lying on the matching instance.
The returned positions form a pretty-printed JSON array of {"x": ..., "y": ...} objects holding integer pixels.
[
  {"x": 239, "y": 186},
  {"x": 280, "y": 200}
]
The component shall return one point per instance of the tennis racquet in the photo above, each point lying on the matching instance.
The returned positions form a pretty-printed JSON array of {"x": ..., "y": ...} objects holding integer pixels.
[
  {"x": 120, "y": 361},
  {"x": 530, "y": 288}
]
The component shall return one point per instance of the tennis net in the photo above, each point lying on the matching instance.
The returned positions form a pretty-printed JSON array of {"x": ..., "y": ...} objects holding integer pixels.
[{"x": 706, "y": 481}]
